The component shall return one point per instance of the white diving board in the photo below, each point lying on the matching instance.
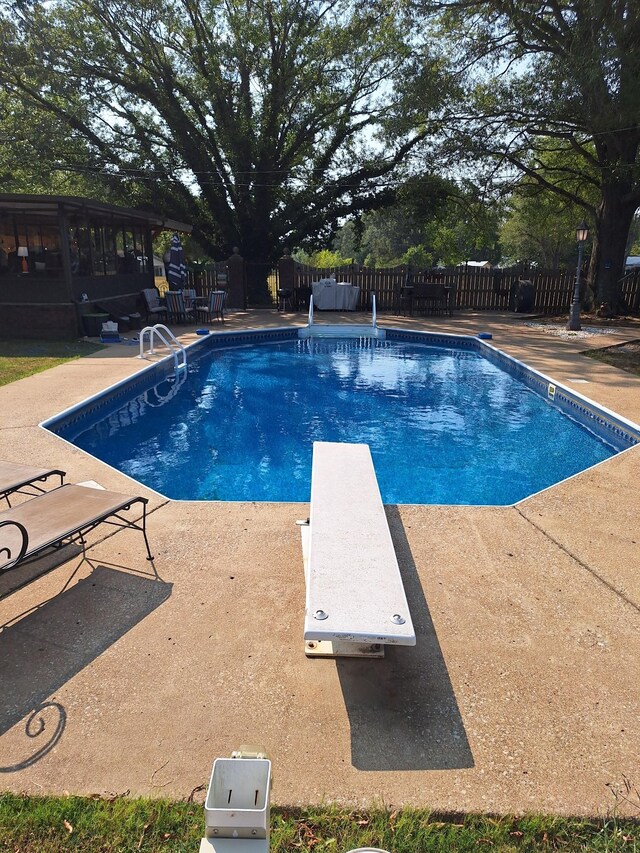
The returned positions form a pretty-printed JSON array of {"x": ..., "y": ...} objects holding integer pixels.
[{"x": 356, "y": 601}]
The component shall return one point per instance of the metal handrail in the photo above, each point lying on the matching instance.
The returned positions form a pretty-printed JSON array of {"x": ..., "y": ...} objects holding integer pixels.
[
  {"x": 310, "y": 322},
  {"x": 373, "y": 309},
  {"x": 157, "y": 330}
]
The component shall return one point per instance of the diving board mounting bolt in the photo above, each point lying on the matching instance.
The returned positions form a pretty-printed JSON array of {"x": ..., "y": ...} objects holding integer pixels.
[
  {"x": 397, "y": 619},
  {"x": 320, "y": 615}
]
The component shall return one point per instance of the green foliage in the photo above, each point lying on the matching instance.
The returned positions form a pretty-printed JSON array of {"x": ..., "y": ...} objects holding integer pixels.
[
  {"x": 540, "y": 229},
  {"x": 388, "y": 234},
  {"x": 418, "y": 257},
  {"x": 347, "y": 241},
  {"x": 545, "y": 79},
  {"x": 48, "y": 824},
  {"x": 255, "y": 122},
  {"x": 634, "y": 237},
  {"x": 433, "y": 222},
  {"x": 541, "y": 225},
  {"x": 325, "y": 259}
]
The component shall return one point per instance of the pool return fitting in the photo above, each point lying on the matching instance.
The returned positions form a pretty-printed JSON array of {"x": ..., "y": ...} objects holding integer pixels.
[{"x": 237, "y": 806}]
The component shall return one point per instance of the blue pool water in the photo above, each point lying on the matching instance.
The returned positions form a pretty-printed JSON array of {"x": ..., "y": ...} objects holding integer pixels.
[{"x": 445, "y": 426}]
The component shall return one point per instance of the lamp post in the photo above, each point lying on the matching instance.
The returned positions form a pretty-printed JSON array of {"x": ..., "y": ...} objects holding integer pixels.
[{"x": 582, "y": 232}]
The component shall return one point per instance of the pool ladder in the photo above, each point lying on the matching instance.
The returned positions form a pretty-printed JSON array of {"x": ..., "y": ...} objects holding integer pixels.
[
  {"x": 173, "y": 345},
  {"x": 347, "y": 330}
]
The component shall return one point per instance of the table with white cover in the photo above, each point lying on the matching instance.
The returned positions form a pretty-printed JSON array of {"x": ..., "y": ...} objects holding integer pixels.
[{"x": 335, "y": 295}]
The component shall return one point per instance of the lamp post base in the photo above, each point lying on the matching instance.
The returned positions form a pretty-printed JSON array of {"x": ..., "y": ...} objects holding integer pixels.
[{"x": 574, "y": 318}]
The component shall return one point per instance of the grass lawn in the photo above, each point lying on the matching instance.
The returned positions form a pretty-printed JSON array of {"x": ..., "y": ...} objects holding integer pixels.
[
  {"x": 625, "y": 356},
  {"x": 47, "y": 824},
  {"x": 22, "y": 358}
]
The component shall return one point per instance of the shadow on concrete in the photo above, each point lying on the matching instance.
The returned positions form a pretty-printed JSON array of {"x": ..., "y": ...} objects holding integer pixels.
[
  {"x": 402, "y": 709},
  {"x": 53, "y": 642},
  {"x": 29, "y": 570}
]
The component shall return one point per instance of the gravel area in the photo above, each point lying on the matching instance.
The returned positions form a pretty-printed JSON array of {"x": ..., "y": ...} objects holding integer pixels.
[{"x": 560, "y": 331}]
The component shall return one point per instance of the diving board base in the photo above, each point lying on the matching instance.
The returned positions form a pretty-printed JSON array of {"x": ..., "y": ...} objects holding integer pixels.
[{"x": 342, "y": 648}]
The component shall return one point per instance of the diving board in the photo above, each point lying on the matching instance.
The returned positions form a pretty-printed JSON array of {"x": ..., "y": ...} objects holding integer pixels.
[{"x": 355, "y": 599}]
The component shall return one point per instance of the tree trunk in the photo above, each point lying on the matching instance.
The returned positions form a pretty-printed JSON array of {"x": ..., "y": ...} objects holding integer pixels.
[{"x": 608, "y": 256}]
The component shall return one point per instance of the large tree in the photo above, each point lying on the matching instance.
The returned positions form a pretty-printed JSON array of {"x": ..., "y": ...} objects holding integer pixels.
[
  {"x": 540, "y": 224},
  {"x": 562, "y": 74},
  {"x": 259, "y": 121}
]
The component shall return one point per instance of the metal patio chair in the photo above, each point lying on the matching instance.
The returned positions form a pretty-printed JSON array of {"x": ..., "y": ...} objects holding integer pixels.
[
  {"x": 153, "y": 306},
  {"x": 214, "y": 307},
  {"x": 178, "y": 311}
]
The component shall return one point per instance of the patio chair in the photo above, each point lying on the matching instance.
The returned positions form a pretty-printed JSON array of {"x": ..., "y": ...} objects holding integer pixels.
[
  {"x": 404, "y": 296},
  {"x": 64, "y": 516},
  {"x": 152, "y": 303},
  {"x": 214, "y": 307},
  {"x": 178, "y": 312},
  {"x": 24, "y": 479}
]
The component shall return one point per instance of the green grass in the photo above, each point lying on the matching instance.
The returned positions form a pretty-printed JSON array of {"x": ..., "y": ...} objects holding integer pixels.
[
  {"x": 48, "y": 824},
  {"x": 24, "y": 358},
  {"x": 625, "y": 356}
]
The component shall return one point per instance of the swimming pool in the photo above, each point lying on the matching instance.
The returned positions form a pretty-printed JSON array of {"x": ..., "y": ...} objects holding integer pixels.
[{"x": 449, "y": 420}]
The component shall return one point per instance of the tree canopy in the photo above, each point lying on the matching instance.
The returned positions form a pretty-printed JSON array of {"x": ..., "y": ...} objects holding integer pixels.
[
  {"x": 562, "y": 74},
  {"x": 259, "y": 121}
]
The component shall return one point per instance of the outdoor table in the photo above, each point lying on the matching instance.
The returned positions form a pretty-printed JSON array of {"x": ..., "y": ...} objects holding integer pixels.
[{"x": 335, "y": 296}]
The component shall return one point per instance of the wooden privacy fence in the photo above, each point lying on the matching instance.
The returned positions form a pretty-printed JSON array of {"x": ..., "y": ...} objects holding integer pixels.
[
  {"x": 204, "y": 281},
  {"x": 256, "y": 284},
  {"x": 472, "y": 287}
]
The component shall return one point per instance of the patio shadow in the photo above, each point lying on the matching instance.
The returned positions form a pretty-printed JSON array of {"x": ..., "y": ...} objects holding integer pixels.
[
  {"x": 43, "y": 650},
  {"x": 402, "y": 709}
]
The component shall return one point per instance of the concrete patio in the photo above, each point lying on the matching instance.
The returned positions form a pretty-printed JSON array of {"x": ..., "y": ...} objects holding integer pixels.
[{"x": 521, "y": 694}]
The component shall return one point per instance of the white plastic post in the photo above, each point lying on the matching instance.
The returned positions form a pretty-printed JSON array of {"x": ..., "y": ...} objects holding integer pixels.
[{"x": 237, "y": 807}]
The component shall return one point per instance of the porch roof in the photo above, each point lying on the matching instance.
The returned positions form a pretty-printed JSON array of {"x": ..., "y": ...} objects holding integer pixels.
[{"x": 51, "y": 204}]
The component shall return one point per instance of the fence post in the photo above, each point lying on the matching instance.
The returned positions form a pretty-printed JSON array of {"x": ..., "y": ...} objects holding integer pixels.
[
  {"x": 235, "y": 294},
  {"x": 286, "y": 271}
]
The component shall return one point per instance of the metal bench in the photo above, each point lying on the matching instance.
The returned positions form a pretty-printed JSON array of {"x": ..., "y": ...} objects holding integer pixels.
[
  {"x": 355, "y": 597},
  {"x": 430, "y": 297}
]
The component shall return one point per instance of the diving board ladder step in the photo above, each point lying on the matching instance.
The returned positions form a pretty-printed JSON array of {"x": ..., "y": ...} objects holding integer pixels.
[{"x": 355, "y": 599}]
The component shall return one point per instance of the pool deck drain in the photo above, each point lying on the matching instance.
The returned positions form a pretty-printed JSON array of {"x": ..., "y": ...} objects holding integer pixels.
[{"x": 520, "y": 695}]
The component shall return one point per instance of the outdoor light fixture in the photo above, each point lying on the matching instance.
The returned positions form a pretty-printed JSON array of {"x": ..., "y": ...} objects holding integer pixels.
[
  {"x": 582, "y": 233},
  {"x": 23, "y": 253}
]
